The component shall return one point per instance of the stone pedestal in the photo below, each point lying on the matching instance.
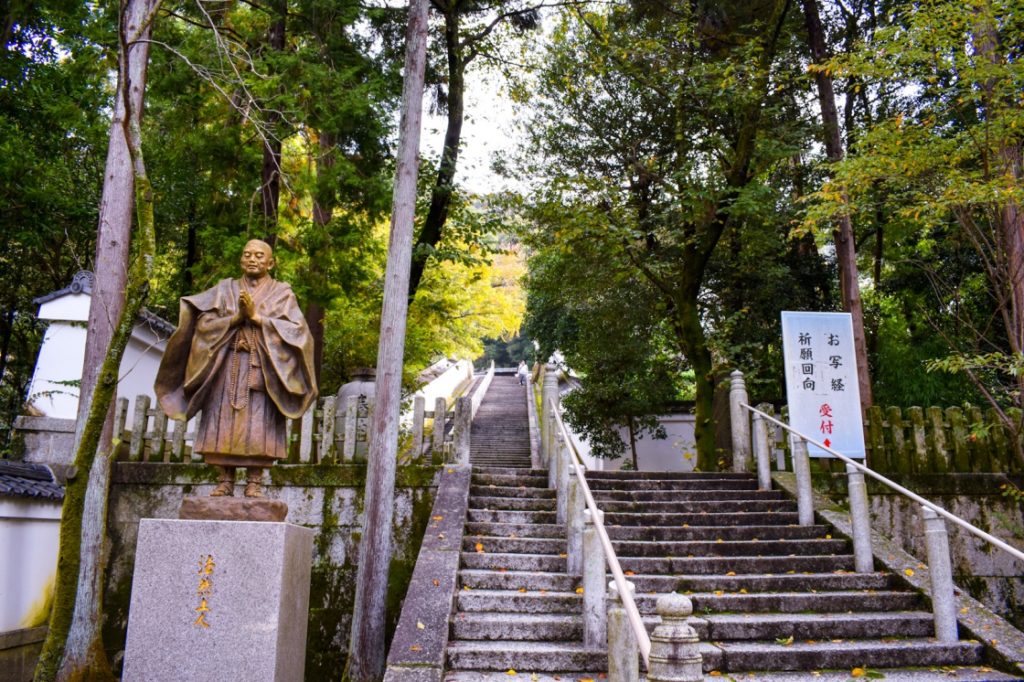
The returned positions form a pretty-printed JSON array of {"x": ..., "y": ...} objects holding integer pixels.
[{"x": 219, "y": 600}]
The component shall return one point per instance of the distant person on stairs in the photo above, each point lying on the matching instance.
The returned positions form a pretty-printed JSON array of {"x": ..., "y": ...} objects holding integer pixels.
[{"x": 521, "y": 372}]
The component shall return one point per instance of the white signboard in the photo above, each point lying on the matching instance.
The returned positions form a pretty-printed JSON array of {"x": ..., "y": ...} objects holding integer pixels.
[{"x": 821, "y": 381}]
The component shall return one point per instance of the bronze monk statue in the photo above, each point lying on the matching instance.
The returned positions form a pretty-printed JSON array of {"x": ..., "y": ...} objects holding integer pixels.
[{"x": 243, "y": 354}]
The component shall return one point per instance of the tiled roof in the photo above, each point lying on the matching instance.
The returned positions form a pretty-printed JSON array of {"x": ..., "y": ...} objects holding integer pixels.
[
  {"x": 83, "y": 283},
  {"x": 22, "y": 479}
]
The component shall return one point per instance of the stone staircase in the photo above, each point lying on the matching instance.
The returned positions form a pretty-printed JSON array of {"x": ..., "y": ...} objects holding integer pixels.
[
  {"x": 772, "y": 600},
  {"x": 500, "y": 435}
]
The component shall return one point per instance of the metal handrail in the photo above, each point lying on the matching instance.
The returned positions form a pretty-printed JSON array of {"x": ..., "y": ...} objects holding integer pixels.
[
  {"x": 643, "y": 640},
  {"x": 1013, "y": 551}
]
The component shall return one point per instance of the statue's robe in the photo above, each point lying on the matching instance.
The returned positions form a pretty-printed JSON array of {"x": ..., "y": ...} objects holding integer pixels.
[{"x": 245, "y": 378}]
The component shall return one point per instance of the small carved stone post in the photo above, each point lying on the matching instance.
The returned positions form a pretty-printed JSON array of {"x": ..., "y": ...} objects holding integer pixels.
[
  {"x": 552, "y": 454},
  {"x": 440, "y": 415},
  {"x": 623, "y": 655},
  {"x": 595, "y": 615},
  {"x": 419, "y": 408},
  {"x": 759, "y": 436},
  {"x": 802, "y": 469},
  {"x": 562, "y": 478},
  {"x": 860, "y": 517},
  {"x": 740, "y": 422},
  {"x": 574, "y": 526},
  {"x": 943, "y": 599},
  {"x": 675, "y": 647},
  {"x": 348, "y": 446}
]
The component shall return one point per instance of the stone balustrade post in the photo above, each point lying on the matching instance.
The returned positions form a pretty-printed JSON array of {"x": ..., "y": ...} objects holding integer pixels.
[
  {"x": 623, "y": 654},
  {"x": 419, "y": 409},
  {"x": 804, "y": 493},
  {"x": 562, "y": 478},
  {"x": 463, "y": 424},
  {"x": 740, "y": 422},
  {"x": 595, "y": 615},
  {"x": 675, "y": 647},
  {"x": 549, "y": 394},
  {"x": 943, "y": 600},
  {"x": 440, "y": 415},
  {"x": 860, "y": 517},
  {"x": 348, "y": 446},
  {"x": 552, "y": 454},
  {"x": 574, "y": 526},
  {"x": 759, "y": 436}
]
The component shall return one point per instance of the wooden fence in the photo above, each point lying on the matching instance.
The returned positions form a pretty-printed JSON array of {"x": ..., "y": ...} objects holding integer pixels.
[
  {"x": 324, "y": 435},
  {"x": 931, "y": 440}
]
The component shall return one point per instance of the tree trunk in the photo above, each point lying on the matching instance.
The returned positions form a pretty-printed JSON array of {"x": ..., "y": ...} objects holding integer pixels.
[
  {"x": 441, "y": 195},
  {"x": 270, "y": 172},
  {"x": 632, "y": 443},
  {"x": 73, "y": 649},
  {"x": 694, "y": 346},
  {"x": 846, "y": 252},
  {"x": 323, "y": 210},
  {"x": 366, "y": 645}
]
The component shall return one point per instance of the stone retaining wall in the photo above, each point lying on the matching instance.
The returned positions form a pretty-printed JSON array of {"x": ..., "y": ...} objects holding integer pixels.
[
  {"x": 991, "y": 576},
  {"x": 328, "y": 499}
]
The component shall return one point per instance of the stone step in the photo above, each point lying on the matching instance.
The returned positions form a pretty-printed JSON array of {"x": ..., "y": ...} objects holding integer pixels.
[
  {"x": 732, "y": 548},
  {"x": 537, "y": 473},
  {"x": 671, "y": 484},
  {"x": 683, "y": 495},
  {"x": 484, "y": 579},
  {"x": 943, "y": 674},
  {"x": 522, "y": 530},
  {"x": 514, "y": 562},
  {"x": 512, "y": 491},
  {"x": 688, "y": 533},
  {"x": 512, "y": 503},
  {"x": 699, "y": 507},
  {"x": 737, "y": 518},
  {"x": 816, "y": 626},
  {"x": 830, "y": 627},
  {"x": 506, "y": 655},
  {"x": 662, "y": 584},
  {"x": 848, "y": 654},
  {"x": 513, "y": 545},
  {"x": 633, "y": 476},
  {"x": 544, "y": 601},
  {"x": 506, "y": 516},
  {"x": 511, "y": 478},
  {"x": 722, "y": 565}
]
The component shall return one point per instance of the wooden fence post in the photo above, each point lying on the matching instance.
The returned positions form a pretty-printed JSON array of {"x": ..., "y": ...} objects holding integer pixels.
[{"x": 139, "y": 423}]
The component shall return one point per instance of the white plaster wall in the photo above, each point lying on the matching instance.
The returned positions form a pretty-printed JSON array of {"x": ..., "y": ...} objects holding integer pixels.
[
  {"x": 63, "y": 352},
  {"x": 677, "y": 452},
  {"x": 29, "y": 533},
  {"x": 446, "y": 384},
  {"x": 60, "y": 359}
]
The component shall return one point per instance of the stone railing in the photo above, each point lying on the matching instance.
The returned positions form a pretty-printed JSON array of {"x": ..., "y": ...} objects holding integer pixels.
[
  {"x": 750, "y": 438},
  {"x": 610, "y": 618}
]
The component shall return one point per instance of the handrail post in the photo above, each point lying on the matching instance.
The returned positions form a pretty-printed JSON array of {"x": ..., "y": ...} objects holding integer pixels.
[
  {"x": 860, "y": 517},
  {"x": 549, "y": 394},
  {"x": 675, "y": 647},
  {"x": 740, "y": 422},
  {"x": 595, "y": 616},
  {"x": 804, "y": 494},
  {"x": 943, "y": 600},
  {"x": 574, "y": 526},
  {"x": 552, "y": 454},
  {"x": 562, "y": 478},
  {"x": 759, "y": 436},
  {"x": 623, "y": 655}
]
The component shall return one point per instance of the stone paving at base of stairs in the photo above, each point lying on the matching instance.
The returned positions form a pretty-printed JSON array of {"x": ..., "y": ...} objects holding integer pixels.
[{"x": 944, "y": 674}]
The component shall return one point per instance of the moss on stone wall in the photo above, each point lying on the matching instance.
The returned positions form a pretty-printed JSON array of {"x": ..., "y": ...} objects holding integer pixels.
[{"x": 328, "y": 499}]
